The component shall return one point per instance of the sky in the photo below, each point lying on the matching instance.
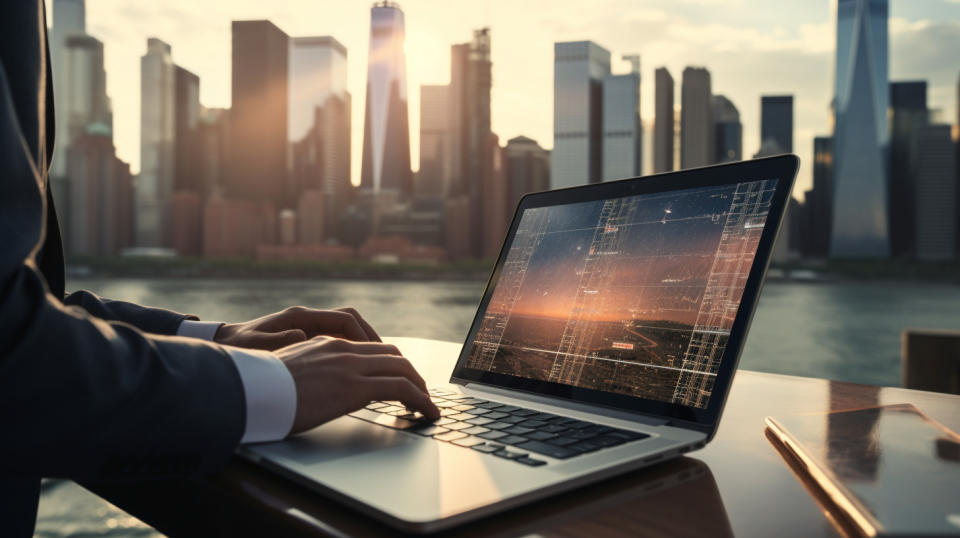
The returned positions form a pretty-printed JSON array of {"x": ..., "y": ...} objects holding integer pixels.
[{"x": 751, "y": 47}]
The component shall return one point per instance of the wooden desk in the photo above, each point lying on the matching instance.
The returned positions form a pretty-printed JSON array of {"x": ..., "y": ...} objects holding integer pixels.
[{"x": 737, "y": 485}]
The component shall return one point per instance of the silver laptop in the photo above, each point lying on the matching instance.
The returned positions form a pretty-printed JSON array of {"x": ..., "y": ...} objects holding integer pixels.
[{"x": 606, "y": 340}]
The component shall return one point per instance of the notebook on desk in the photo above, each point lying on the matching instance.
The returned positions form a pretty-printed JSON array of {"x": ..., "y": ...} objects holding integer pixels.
[{"x": 880, "y": 471}]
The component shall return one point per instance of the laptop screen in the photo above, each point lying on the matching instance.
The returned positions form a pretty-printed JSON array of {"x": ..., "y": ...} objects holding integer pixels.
[{"x": 634, "y": 295}]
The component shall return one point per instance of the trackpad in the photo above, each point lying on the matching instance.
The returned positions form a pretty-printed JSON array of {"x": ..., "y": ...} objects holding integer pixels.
[{"x": 341, "y": 438}]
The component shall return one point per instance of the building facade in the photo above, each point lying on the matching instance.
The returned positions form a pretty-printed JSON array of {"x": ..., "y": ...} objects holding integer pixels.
[
  {"x": 157, "y": 137},
  {"x": 386, "y": 133},
  {"x": 663, "y": 132},
  {"x": 434, "y": 176},
  {"x": 578, "y": 73},
  {"x": 934, "y": 169},
  {"x": 69, "y": 19},
  {"x": 776, "y": 121},
  {"x": 258, "y": 118},
  {"x": 728, "y": 131},
  {"x": 860, "y": 223},
  {"x": 527, "y": 169},
  {"x": 908, "y": 113},
  {"x": 622, "y": 151},
  {"x": 696, "y": 118}
]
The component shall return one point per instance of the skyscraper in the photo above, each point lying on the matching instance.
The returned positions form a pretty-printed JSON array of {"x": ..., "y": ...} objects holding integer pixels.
[
  {"x": 776, "y": 121},
  {"x": 663, "y": 122},
  {"x": 578, "y": 73},
  {"x": 696, "y": 113},
  {"x": 258, "y": 118},
  {"x": 908, "y": 107},
  {"x": 818, "y": 199},
  {"x": 728, "y": 134},
  {"x": 69, "y": 19},
  {"x": 622, "y": 151},
  {"x": 433, "y": 177},
  {"x": 186, "y": 131},
  {"x": 527, "y": 169},
  {"x": 386, "y": 134},
  {"x": 157, "y": 129},
  {"x": 860, "y": 224},
  {"x": 319, "y": 130},
  {"x": 934, "y": 168},
  {"x": 471, "y": 150}
]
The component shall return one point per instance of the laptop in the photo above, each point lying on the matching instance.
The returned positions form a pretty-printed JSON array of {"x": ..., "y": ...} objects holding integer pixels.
[{"x": 605, "y": 341}]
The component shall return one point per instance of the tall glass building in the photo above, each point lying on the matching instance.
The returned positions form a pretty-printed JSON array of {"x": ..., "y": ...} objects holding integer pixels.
[
  {"x": 157, "y": 128},
  {"x": 69, "y": 19},
  {"x": 578, "y": 73},
  {"x": 663, "y": 122},
  {"x": 622, "y": 152},
  {"x": 728, "y": 131},
  {"x": 859, "y": 224},
  {"x": 776, "y": 121},
  {"x": 386, "y": 133},
  {"x": 696, "y": 119}
]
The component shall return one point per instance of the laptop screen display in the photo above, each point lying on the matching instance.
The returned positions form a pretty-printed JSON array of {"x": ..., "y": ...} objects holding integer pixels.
[{"x": 634, "y": 295}]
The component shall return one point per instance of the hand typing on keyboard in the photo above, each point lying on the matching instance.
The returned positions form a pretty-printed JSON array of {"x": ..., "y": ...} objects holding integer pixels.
[
  {"x": 334, "y": 377},
  {"x": 507, "y": 431}
]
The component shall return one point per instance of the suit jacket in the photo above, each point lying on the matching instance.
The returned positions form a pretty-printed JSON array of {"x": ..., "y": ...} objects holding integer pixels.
[{"x": 90, "y": 389}]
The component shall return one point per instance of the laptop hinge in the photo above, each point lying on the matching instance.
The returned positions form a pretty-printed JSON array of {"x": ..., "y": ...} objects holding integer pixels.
[{"x": 573, "y": 406}]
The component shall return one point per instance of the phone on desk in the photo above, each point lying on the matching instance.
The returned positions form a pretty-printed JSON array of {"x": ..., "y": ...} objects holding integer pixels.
[{"x": 879, "y": 471}]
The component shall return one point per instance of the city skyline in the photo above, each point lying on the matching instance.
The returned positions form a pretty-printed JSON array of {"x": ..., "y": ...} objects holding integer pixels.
[{"x": 522, "y": 83}]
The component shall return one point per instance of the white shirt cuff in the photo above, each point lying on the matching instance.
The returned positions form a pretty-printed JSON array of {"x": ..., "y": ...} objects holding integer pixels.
[
  {"x": 270, "y": 394},
  {"x": 204, "y": 330}
]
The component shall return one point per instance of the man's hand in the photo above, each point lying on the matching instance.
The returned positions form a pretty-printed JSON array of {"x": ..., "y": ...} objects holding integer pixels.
[
  {"x": 334, "y": 377},
  {"x": 296, "y": 324}
]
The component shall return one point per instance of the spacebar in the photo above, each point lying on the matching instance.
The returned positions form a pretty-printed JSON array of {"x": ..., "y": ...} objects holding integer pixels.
[{"x": 384, "y": 420}]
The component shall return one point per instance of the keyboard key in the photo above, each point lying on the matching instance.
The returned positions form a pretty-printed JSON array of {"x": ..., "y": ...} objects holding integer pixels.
[
  {"x": 463, "y": 407},
  {"x": 608, "y": 440},
  {"x": 583, "y": 434},
  {"x": 547, "y": 449},
  {"x": 448, "y": 412},
  {"x": 508, "y": 408},
  {"x": 540, "y": 416},
  {"x": 391, "y": 409},
  {"x": 510, "y": 454},
  {"x": 497, "y": 425},
  {"x": 468, "y": 441},
  {"x": 487, "y": 448},
  {"x": 540, "y": 436},
  {"x": 477, "y": 421},
  {"x": 628, "y": 435},
  {"x": 443, "y": 421},
  {"x": 598, "y": 429},
  {"x": 473, "y": 401},
  {"x": 524, "y": 412},
  {"x": 563, "y": 441},
  {"x": 476, "y": 430},
  {"x": 428, "y": 430},
  {"x": 585, "y": 446},
  {"x": 513, "y": 420},
  {"x": 511, "y": 440},
  {"x": 477, "y": 411},
  {"x": 489, "y": 405},
  {"x": 553, "y": 428},
  {"x": 377, "y": 405},
  {"x": 518, "y": 430},
  {"x": 577, "y": 424},
  {"x": 461, "y": 416},
  {"x": 445, "y": 404},
  {"x": 532, "y": 424},
  {"x": 531, "y": 461},
  {"x": 496, "y": 414},
  {"x": 458, "y": 426},
  {"x": 492, "y": 435},
  {"x": 449, "y": 436}
]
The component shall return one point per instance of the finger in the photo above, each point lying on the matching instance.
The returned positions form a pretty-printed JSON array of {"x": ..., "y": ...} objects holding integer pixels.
[
  {"x": 277, "y": 340},
  {"x": 316, "y": 322},
  {"x": 402, "y": 389},
  {"x": 386, "y": 366},
  {"x": 370, "y": 348},
  {"x": 367, "y": 328}
]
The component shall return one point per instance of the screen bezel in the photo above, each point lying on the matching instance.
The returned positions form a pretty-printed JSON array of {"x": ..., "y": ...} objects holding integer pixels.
[{"x": 783, "y": 168}]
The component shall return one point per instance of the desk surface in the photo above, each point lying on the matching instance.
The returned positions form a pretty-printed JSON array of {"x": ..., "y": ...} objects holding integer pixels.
[{"x": 737, "y": 485}]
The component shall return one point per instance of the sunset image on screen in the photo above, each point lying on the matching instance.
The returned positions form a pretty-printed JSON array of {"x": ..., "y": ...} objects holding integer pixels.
[{"x": 634, "y": 295}]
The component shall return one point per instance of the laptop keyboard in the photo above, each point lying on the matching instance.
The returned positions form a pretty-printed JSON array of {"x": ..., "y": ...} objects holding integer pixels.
[{"x": 506, "y": 431}]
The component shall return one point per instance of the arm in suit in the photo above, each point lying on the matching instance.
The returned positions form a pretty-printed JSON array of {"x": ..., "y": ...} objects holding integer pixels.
[
  {"x": 147, "y": 319},
  {"x": 82, "y": 397}
]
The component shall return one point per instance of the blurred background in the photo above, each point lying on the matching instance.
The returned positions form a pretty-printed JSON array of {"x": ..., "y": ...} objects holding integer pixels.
[{"x": 234, "y": 157}]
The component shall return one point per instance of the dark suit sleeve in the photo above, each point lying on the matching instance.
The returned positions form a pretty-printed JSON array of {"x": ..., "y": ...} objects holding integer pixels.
[
  {"x": 151, "y": 320},
  {"x": 85, "y": 398}
]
